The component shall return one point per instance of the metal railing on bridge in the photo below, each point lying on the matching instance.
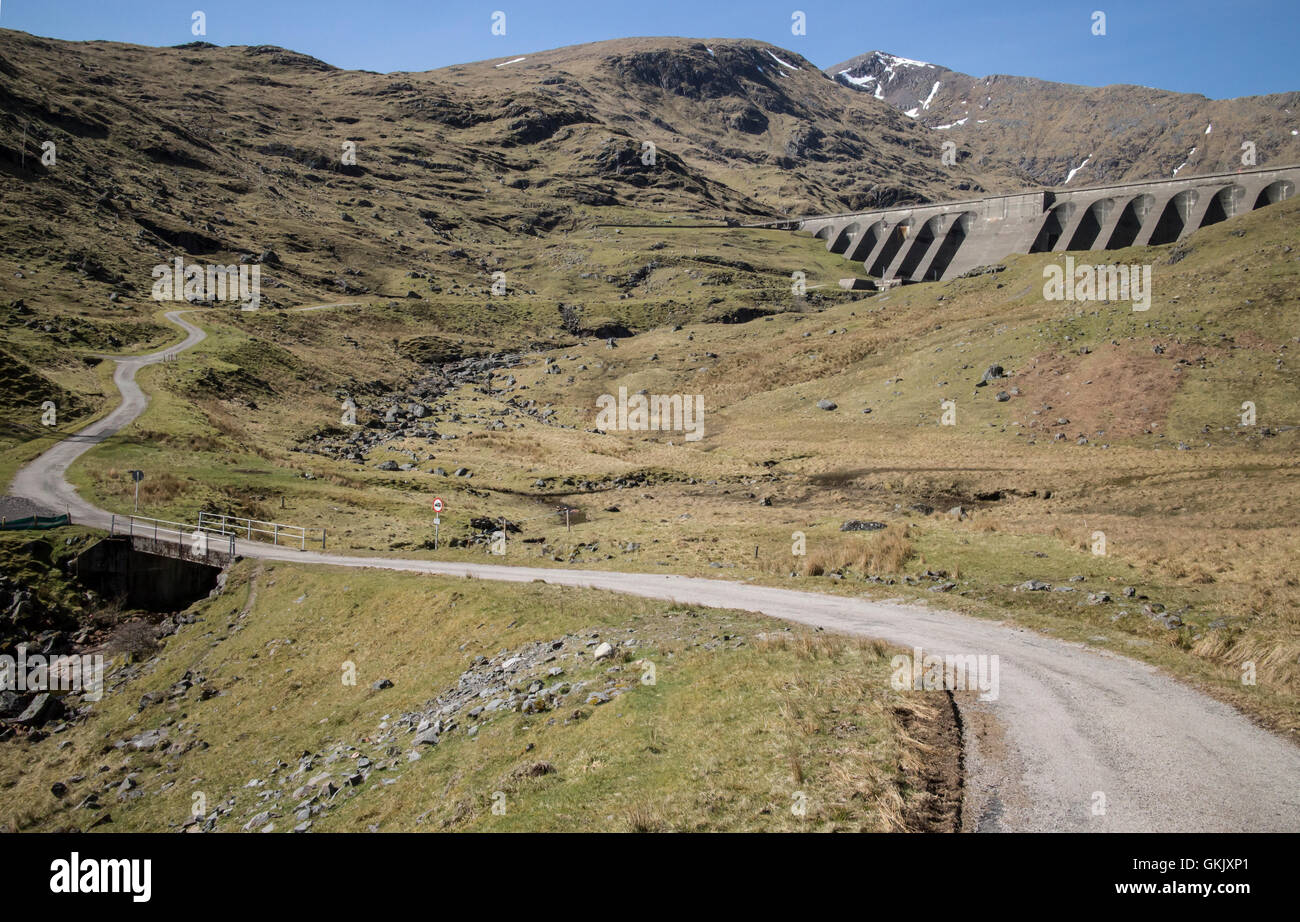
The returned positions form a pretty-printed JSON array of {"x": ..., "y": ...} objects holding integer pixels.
[
  {"x": 142, "y": 526},
  {"x": 256, "y": 529}
]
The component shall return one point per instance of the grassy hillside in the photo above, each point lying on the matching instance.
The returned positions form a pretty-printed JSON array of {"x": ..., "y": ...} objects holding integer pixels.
[
  {"x": 1116, "y": 421},
  {"x": 699, "y": 719}
]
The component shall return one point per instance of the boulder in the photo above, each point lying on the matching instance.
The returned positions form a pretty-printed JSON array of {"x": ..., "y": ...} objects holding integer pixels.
[
  {"x": 150, "y": 739},
  {"x": 859, "y": 525},
  {"x": 44, "y": 707}
]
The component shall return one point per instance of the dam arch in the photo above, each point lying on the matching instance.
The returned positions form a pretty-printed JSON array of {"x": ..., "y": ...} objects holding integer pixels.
[
  {"x": 1089, "y": 229},
  {"x": 1054, "y": 225},
  {"x": 1131, "y": 221},
  {"x": 1174, "y": 218},
  {"x": 1224, "y": 204},
  {"x": 863, "y": 245},
  {"x": 1275, "y": 192},
  {"x": 921, "y": 245},
  {"x": 893, "y": 243},
  {"x": 840, "y": 240},
  {"x": 949, "y": 246}
]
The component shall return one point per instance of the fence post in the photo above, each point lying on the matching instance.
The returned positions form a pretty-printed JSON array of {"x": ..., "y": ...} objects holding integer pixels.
[{"x": 275, "y": 535}]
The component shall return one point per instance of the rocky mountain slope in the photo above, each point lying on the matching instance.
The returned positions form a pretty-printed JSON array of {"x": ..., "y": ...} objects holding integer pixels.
[
  {"x": 1054, "y": 134},
  {"x": 223, "y": 153}
]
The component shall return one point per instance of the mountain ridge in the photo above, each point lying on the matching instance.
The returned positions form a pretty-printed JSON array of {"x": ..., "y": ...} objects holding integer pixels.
[{"x": 1049, "y": 133}]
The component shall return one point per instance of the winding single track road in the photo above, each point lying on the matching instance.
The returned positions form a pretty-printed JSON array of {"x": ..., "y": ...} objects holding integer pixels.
[{"x": 1077, "y": 739}]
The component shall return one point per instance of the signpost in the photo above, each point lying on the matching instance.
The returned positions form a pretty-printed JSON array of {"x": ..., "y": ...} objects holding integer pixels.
[
  {"x": 437, "y": 519},
  {"x": 137, "y": 476}
]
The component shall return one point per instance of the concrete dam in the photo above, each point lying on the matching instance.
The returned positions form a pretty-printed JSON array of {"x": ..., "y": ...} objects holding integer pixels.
[{"x": 918, "y": 243}]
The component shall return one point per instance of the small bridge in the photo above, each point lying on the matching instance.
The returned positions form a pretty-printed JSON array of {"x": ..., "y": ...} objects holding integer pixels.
[
  {"x": 155, "y": 564},
  {"x": 162, "y": 565},
  {"x": 173, "y": 539},
  {"x": 935, "y": 242},
  {"x": 212, "y": 540}
]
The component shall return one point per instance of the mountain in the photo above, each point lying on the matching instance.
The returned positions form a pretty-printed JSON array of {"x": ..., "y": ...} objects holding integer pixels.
[
  {"x": 238, "y": 152},
  {"x": 1051, "y": 134}
]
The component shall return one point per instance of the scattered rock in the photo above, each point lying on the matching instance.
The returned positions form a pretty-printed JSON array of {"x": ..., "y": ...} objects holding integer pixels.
[
  {"x": 859, "y": 525},
  {"x": 150, "y": 739}
]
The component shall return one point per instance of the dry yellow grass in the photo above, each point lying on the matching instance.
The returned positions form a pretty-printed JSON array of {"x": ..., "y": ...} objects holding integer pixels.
[{"x": 873, "y": 553}]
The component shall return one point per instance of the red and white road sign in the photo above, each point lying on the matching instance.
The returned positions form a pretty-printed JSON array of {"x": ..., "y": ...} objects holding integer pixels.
[{"x": 437, "y": 504}]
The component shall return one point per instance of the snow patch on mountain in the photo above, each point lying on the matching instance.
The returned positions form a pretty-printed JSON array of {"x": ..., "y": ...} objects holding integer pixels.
[
  {"x": 782, "y": 63},
  {"x": 896, "y": 61},
  {"x": 886, "y": 68},
  {"x": 934, "y": 89},
  {"x": 857, "y": 81},
  {"x": 1185, "y": 162}
]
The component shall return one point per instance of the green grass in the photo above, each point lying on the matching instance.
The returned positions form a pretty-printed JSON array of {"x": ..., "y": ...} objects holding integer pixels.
[{"x": 731, "y": 728}]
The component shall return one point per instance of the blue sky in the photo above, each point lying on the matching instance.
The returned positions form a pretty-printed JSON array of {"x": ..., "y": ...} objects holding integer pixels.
[{"x": 1220, "y": 49}]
